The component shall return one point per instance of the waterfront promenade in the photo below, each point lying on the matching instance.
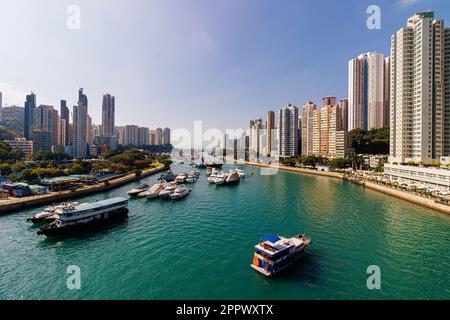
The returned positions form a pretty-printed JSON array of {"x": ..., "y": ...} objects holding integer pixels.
[
  {"x": 15, "y": 204},
  {"x": 405, "y": 195}
]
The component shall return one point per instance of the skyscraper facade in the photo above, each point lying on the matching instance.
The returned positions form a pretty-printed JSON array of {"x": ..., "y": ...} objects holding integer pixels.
[
  {"x": 307, "y": 128},
  {"x": 417, "y": 114},
  {"x": 158, "y": 136},
  {"x": 288, "y": 131},
  {"x": 65, "y": 115},
  {"x": 357, "y": 100},
  {"x": 375, "y": 91},
  {"x": 270, "y": 134},
  {"x": 108, "y": 115},
  {"x": 30, "y": 105},
  {"x": 79, "y": 135},
  {"x": 343, "y": 105},
  {"x": 144, "y": 136},
  {"x": 366, "y": 91},
  {"x": 166, "y": 136}
]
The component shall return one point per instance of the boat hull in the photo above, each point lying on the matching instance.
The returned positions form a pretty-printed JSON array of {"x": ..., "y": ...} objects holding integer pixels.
[
  {"x": 67, "y": 229},
  {"x": 269, "y": 272}
]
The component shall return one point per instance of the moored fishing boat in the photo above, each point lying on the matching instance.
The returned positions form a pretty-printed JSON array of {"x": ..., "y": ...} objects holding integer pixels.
[
  {"x": 75, "y": 218},
  {"x": 276, "y": 253}
]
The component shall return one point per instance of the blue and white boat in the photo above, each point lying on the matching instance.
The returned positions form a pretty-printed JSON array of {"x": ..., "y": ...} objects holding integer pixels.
[
  {"x": 276, "y": 253},
  {"x": 76, "y": 217}
]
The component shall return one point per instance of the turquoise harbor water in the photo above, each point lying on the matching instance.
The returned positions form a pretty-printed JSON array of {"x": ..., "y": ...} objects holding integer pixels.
[{"x": 201, "y": 247}]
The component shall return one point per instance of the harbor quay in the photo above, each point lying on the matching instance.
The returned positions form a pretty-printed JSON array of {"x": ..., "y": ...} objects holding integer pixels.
[
  {"x": 16, "y": 204},
  {"x": 414, "y": 197}
]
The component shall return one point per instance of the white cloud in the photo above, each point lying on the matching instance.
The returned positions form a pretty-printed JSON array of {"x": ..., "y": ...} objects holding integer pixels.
[
  {"x": 12, "y": 95},
  {"x": 406, "y": 3}
]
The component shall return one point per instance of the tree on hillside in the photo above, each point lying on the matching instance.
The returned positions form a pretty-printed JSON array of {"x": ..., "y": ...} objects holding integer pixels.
[{"x": 6, "y": 134}]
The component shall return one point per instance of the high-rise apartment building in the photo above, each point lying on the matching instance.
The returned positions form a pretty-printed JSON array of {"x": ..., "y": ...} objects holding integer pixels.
[
  {"x": 80, "y": 135},
  {"x": 307, "y": 128},
  {"x": 158, "y": 136},
  {"x": 108, "y": 115},
  {"x": 375, "y": 91},
  {"x": 386, "y": 90},
  {"x": 366, "y": 87},
  {"x": 152, "y": 137},
  {"x": 144, "y": 136},
  {"x": 65, "y": 115},
  {"x": 166, "y": 136},
  {"x": 270, "y": 132},
  {"x": 417, "y": 113},
  {"x": 447, "y": 91},
  {"x": 131, "y": 135},
  {"x": 46, "y": 118},
  {"x": 30, "y": 105},
  {"x": 343, "y": 105},
  {"x": 256, "y": 132},
  {"x": 288, "y": 131}
]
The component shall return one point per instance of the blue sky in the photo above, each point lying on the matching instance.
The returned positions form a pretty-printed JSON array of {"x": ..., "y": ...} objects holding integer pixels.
[{"x": 170, "y": 62}]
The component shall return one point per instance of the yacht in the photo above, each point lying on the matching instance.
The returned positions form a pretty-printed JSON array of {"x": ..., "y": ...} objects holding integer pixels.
[
  {"x": 276, "y": 253},
  {"x": 233, "y": 177},
  {"x": 240, "y": 172},
  {"x": 179, "y": 193},
  {"x": 208, "y": 171},
  {"x": 154, "y": 191},
  {"x": 167, "y": 191},
  {"x": 181, "y": 177},
  {"x": 49, "y": 213},
  {"x": 135, "y": 191},
  {"x": 221, "y": 178},
  {"x": 169, "y": 176},
  {"x": 77, "y": 217}
]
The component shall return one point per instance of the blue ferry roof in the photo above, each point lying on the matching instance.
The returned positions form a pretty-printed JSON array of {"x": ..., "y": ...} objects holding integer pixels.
[{"x": 270, "y": 237}]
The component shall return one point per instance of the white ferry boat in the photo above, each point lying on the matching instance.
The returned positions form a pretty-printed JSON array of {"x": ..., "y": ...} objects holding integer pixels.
[
  {"x": 72, "y": 218},
  {"x": 276, "y": 253}
]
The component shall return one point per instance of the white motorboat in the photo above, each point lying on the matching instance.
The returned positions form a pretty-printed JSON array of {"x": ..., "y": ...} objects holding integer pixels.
[
  {"x": 240, "y": 172},
  {"x": 167, "y": 191},
  {"x": 135, "y": 191},
  {"x": 181, "y": 177},
  {"x": 179, "y": 193},
  {"x": 233, "y": 177},
  {"x": 50, "y": 213},
  {"x": 154, "y": 191},
  {"x": 221, "y": 178}
]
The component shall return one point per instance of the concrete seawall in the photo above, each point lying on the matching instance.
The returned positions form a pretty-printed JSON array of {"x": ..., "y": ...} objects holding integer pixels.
[
  {"x": 417, "y": 199},
  {"x": 16, "y": 204}
]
